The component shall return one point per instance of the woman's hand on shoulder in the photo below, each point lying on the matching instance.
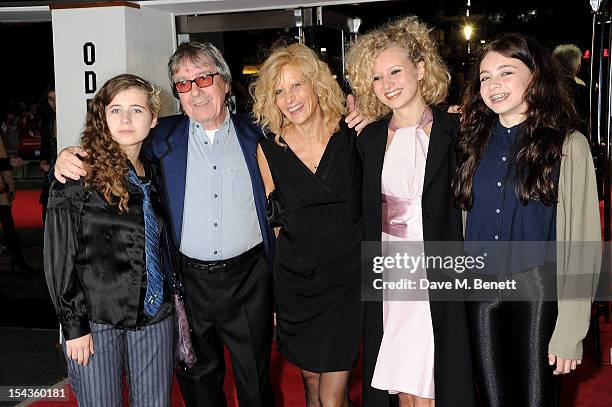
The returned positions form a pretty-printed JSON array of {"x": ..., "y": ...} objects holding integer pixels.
[
  {"x": 355, "y": 119},
  {"x": 80, "y": 349}
]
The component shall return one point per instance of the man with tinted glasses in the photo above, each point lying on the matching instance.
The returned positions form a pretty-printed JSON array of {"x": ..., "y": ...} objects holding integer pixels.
[{"x": 216, "y": 204}]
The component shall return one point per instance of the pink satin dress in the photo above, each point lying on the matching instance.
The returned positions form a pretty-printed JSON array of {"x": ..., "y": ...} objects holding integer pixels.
[{"x": 405, "y": 361}]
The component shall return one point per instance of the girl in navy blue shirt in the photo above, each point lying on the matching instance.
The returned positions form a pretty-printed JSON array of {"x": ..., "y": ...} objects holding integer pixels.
[{"x": 521, "y": 199}]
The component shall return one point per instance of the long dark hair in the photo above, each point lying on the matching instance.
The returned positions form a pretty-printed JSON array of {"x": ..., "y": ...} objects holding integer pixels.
[{"x": 550, "y": 117}]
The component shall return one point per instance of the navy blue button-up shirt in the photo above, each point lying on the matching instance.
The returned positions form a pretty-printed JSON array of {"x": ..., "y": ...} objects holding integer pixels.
[{"x": 497, "y": 213}]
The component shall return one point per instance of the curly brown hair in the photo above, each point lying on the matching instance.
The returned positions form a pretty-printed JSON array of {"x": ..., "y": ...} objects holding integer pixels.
[
  {"x": 106, "y": 162},
  {"x": 414, "y": 37},
  {"x": 316, "y": 74},
  {"x": 550, "y": 117}
]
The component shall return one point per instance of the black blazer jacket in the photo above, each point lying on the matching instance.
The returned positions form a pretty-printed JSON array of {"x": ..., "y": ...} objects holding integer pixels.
[{"x": 441, "y": 222}]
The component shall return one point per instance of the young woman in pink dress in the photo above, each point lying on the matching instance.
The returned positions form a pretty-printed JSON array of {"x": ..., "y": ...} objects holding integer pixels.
[{"x": 418, "y": 350}]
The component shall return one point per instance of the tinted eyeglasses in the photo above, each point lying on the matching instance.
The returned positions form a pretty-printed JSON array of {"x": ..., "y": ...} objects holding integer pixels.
[{"x": 203, "y": 81}]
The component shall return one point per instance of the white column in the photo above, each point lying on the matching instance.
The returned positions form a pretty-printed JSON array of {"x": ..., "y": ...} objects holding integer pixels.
[{"x": 91, "y": 45}]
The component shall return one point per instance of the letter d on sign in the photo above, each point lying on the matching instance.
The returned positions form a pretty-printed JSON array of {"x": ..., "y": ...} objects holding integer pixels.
[{"x": 90, "y": 81}]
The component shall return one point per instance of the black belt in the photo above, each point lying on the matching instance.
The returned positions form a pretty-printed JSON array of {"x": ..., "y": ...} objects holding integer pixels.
[{"x": 221, "y": 265}]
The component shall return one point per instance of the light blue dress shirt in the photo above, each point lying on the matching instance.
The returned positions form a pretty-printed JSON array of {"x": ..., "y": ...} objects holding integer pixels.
[{"x": 219, "y": 216}]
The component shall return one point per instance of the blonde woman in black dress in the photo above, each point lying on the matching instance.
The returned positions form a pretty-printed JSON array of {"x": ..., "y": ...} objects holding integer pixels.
[{"x": 311, "y": 170}]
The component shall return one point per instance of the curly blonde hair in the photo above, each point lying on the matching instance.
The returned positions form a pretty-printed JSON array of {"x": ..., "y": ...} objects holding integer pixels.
[
  {"x": 316, "y": 73},
  {"x": 414, "y": 37},
  {"x": 106, "y": 163}
]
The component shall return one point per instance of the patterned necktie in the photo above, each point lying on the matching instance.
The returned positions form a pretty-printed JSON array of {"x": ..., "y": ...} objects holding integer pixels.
[{"x": 155, "y": 284}]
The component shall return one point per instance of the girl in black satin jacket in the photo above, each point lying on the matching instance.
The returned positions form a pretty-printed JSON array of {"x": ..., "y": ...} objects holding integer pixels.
[{"x": 106, "y": 255}]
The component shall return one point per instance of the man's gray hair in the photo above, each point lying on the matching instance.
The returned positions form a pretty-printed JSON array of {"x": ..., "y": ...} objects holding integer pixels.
[
  {"x": 200, "y": 53},
  {"x": 569, "y": 56}
]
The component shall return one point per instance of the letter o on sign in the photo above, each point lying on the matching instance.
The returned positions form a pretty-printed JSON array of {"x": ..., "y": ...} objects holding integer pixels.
[{"x": 89, "y": 53}]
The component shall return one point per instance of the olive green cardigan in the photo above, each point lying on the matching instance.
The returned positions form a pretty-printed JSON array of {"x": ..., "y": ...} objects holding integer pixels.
[
  {"x": 578, "y": 247},
  {"x": 579, "y": 253}
]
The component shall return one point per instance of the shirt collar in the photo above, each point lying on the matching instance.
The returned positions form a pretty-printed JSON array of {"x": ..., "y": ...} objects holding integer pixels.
[
  {"x": 502, "y": 131},
  {"x": 197, "y": 128},
  {"x": 147, "y": 168}
]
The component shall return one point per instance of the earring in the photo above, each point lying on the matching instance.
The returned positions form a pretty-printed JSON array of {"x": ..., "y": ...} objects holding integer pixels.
[{"x": 319, "y": 97}]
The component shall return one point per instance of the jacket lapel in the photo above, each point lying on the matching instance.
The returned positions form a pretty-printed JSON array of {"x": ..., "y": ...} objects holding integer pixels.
[
  {"x": 376, "y": 157},
  {"x": 174, "y": 167},
  {"x": 248, "y": 136},
  {"x": 439, "y": 141}
]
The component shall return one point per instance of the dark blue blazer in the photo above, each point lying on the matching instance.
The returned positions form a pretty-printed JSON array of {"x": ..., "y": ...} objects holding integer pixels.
[{"x": 167, "y": 146}]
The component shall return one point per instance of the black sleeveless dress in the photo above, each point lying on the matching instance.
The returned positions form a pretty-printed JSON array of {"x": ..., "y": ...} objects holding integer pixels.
[{"x": 316, "y": 270}]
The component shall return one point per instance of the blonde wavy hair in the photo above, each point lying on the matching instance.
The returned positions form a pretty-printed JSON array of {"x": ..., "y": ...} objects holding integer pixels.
[
  {"x": 106, "y": 163},
  {"x": 316, "y": 73},
  {"x": 414, "y": 37}
]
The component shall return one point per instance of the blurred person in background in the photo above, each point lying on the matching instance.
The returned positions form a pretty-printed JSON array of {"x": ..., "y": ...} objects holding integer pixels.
[
  {"x": 569, "y": 57},
  {"x": 48, "y": 148},
  {"x": 7, "y": 195},
  {"x": 8, "y": 131}
]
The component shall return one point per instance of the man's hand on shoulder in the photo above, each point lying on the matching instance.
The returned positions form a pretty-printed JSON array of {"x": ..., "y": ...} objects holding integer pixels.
[
  {"x": 68, "y": 164},
  {"x": 355, "y": 119}
]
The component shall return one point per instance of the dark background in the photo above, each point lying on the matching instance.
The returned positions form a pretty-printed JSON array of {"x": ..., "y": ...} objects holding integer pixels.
[{"x": 27, "y": 48}]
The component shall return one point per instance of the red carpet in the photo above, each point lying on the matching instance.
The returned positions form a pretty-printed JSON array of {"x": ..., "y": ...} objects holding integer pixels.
[
  {"x": 27, "y": 212},
  {"x": 286, "y": 380},
  {"x": 589, "y": 386}
]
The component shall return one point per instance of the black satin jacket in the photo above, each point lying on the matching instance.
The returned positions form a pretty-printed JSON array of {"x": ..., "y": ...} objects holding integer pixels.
[{"x": 94, "y": 258}]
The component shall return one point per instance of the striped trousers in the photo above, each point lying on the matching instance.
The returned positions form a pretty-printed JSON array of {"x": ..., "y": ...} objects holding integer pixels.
[{"x": 147, "y": 353}]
